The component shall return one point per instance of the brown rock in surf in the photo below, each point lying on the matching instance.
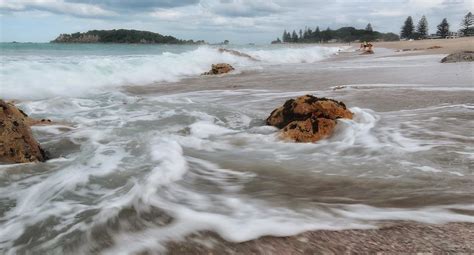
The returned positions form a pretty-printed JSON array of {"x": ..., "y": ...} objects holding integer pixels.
[
  {"x": 305, "y": 107},
  {"x": 308, "y": 118},
  {"x": 309, "y": 130},
  {"x": 221, "y": 68},
  {"x": 17, "y": 144}
]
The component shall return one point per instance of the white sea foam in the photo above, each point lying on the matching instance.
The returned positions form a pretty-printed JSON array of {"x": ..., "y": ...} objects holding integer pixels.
[
  {"x": 202, "y": 159},
  {"x": 33, "y": 77}
]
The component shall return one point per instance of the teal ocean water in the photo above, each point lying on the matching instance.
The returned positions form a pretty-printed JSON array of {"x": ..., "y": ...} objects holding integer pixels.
[{"x": 57, "y": 49}]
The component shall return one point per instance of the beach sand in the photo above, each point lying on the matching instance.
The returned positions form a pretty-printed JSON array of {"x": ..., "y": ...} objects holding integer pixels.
[
  {"x": 448, "y": 46},
  {"x": 394, "y": 237}
]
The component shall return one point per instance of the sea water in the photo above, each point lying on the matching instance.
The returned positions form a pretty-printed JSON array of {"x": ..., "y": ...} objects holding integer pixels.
[{"x": 131, "y": 171}]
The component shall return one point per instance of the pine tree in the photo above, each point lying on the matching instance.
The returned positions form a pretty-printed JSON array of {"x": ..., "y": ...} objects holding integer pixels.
[
  {"x": 368, "y": 28},
  {"x": 466, "y": 24},
  {"x": 284, "y": 36},
  {"x": 443, "y": 28},
  {"x": 407, "y": 29},
  {"x": 422, "y": 27},
  {"x": 327, "y": 35},
  {"x": 294, "y": 37},
  {"x": 301, "y": 35},
  {"x": 317, "y": 35}
]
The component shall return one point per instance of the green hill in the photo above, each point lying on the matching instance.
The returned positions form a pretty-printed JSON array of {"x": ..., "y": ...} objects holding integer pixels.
[{"x": 120, "y": 36}]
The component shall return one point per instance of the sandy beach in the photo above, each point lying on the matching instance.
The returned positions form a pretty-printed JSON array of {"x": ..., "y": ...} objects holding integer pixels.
[
  {"x": 390, "y": 238},
  {"x": 448, "y": 46}
]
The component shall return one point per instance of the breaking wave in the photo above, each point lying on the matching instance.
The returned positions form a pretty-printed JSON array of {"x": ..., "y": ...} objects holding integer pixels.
[{"x": 43, "y": 76}]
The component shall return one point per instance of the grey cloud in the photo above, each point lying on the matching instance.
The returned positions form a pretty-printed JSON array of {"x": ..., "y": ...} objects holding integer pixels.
[
  {"x": 57, "y": 7},
  {"x": 136, "y": 5},
  {"x": 242, "y": 8}
]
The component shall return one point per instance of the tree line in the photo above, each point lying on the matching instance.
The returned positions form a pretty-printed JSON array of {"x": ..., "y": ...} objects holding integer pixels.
[
  {"x": 120, "y": 36},
  {"x": 409, "y": 31},
  {"x": 344, "y": 34}
]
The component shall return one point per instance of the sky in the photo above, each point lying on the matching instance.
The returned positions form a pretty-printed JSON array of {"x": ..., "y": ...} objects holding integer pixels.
[{"x": 240, "y": 21}]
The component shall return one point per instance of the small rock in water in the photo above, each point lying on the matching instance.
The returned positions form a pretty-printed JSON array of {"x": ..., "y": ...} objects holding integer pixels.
[
  {"x": 221, "y": 68},
  {"x": 17, "y": 144},
  {"x": 465, "y": 56},
  {"x": 308, "y": 118}
]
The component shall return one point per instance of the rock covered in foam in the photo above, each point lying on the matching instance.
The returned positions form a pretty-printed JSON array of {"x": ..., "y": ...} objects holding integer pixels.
[
  {"x": 17, "y": 144},
  {"x": 220, "y": 68},
  {"x": 308, "y": 118},
  {"x": 465, "y": 56}
]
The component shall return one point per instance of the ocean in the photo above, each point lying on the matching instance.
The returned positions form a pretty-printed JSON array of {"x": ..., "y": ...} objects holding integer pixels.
[
  {"x": 145, "y": 151},
  {"x": 47, "y": 70}
]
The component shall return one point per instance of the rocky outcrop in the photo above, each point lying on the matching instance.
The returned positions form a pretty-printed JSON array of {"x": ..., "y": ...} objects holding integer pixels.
[
  {"x": 221, "y": 68},
  {"x": 17, "y": 144},
  {"x": 465, "y": 56},
  {"x": 82, "y": 38},
  {"x": 308, "y": 118}
]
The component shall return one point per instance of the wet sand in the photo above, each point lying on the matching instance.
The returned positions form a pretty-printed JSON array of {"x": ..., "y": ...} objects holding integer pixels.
[{"x": 394, "y": 237}]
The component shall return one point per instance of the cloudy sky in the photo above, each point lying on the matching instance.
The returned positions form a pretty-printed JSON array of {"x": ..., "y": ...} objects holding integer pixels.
[{"x": 240, "y": 21}]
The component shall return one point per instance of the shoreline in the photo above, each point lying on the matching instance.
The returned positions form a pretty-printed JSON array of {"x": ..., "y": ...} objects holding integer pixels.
[{"x": 390, "y": 237}]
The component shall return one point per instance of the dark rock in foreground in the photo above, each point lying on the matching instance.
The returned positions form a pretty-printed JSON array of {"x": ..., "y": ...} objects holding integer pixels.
[
  {"x": 308, "y": 118},
  {"x": 221, "y": 68},
  {"x": 465, "y": 56},
  {"x": 17, "y": 144}
]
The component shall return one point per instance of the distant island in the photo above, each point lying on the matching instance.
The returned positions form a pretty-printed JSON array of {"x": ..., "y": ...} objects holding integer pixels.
[
  {"x": 344, "y": 34},
  {"x": 121, "y": 36}
]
